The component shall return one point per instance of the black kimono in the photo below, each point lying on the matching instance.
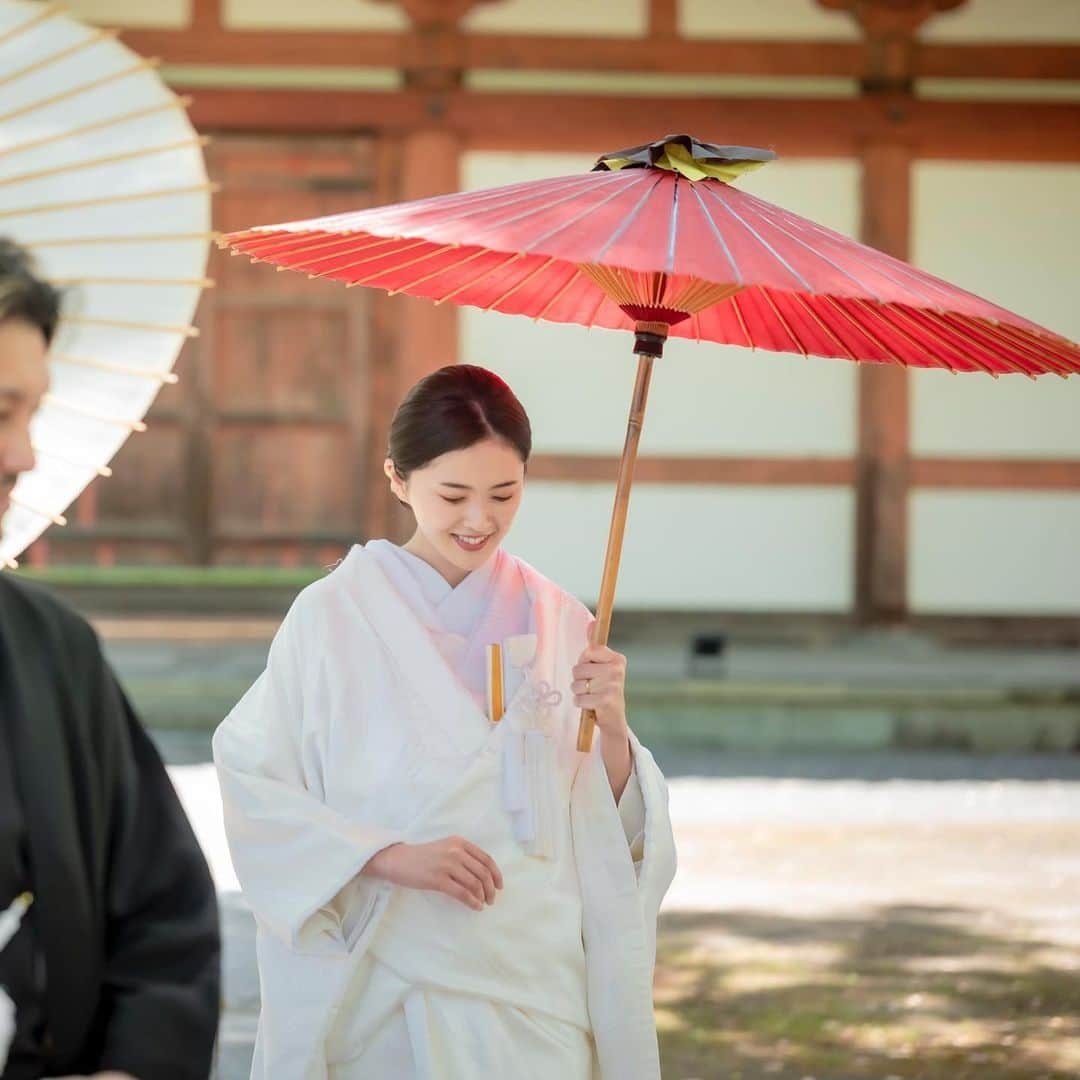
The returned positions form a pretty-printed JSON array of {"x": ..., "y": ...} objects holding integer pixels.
[{"x": 124, "y": 926}]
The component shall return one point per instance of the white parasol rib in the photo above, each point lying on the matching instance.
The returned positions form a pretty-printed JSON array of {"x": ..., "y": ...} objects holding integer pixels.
[{"x": 102, "y": 177}]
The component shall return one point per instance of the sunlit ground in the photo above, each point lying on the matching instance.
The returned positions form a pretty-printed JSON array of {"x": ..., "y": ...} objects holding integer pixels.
[
  {"x": 833, "y": 928},
  {"x": 901, "y": 929}
]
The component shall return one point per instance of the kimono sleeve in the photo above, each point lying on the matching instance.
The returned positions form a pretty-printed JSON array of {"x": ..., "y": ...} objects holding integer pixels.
[
  {"x": 297, "y": 859},
  {"x": 631, "y": 808},
  {"x": 160, "y": 986}
]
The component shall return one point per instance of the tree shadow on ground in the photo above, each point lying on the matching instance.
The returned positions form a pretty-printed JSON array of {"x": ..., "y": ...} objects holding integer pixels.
[
  {"x": 679, "y": 759},
  {"x": 919, "y": 993}
]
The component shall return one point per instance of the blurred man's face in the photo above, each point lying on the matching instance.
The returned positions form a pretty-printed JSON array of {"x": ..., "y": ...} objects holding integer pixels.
[{"x": 24, "y": 379}]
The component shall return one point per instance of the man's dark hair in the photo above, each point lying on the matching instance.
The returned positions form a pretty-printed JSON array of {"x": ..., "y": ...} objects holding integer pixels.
[{"x": 24, "y": 295}]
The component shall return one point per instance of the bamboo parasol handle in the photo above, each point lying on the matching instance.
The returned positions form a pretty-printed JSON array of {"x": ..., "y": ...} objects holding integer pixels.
[{"x": 606, "y": 602}]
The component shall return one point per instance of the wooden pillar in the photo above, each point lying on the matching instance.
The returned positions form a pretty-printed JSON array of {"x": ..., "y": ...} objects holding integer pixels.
[
  {"x": 412, "y": 337},
  {"x": 663, "y": 18},
  {"x": 889, "y": 29},
  {"x": 430, "y": 165},
  {"x": 882, "y": 463},
  {"x": 206, "y": 14}
]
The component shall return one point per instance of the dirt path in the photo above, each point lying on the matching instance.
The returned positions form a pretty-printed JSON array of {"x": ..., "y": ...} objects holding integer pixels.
[{"x": 905, "y": 929}]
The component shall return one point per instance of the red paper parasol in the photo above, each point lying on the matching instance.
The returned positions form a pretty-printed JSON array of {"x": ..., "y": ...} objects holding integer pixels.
[{"x": 656, "y": 240}]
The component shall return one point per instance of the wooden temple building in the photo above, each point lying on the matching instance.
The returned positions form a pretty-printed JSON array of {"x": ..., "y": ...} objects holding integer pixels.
[{"x": 946, "y": 132}]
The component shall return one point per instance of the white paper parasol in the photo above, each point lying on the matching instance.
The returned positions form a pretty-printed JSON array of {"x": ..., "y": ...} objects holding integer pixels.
[{"x": 102, "y": 177}]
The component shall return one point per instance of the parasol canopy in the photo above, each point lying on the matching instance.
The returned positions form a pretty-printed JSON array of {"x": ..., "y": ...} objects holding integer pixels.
[
  {"x": 657, "y": 240},
  {"x": 615, "y": 246},
  {"x": 102, "y": 178}
]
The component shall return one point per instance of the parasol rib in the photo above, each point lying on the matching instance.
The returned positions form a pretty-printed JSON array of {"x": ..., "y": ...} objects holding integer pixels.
[
  {"x": 165, "y": 377},
  {"x": 530, "y": 276},
  {"x": 727, "y": 207},
  {"x": 93, "y": 414},
  {"x": 122, "y": 324},
  {"x": 111, "y": 159},
  {"x": 64, "y": 54},
  {"x": 101, "y": 470},
  {"x": 42, "y": 103},
  {"x": 98, "y": 125},
  {"x": 109, "y": 200},
  {"x": 48, "y": 515},
  {"x": 718, "y": 236},
  {"x": 47, "y": 12},
  {"x": 145, "y": 238},
  {"x": 469, "y": 284},
  {"x": 199, "y": 283}
]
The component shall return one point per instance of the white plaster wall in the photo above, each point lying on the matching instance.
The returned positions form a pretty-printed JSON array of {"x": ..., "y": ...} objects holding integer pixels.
[
  {"x": 764, "y": 19},
  {"x": 600, "y": 18},
  {"x": 999, "y": 89},
  {"x": 1011, "y": 233},
  {"x": 695, "y": 547},
  {"x": 658, "y": 83},
  {"x": 313, "y": 15},
  {"x": 163, "y": 14},
  {"x": 995, "y": 552},
  {"x": 280, "y": 76},
  {"x": 1008, "y": 21}
]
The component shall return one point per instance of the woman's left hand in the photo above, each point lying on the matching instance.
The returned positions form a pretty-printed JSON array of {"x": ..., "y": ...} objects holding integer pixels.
[{"x": 599, "y": 684}]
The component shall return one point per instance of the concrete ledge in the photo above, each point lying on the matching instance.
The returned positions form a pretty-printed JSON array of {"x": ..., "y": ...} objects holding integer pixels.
[{"x": 750, "y": 717}]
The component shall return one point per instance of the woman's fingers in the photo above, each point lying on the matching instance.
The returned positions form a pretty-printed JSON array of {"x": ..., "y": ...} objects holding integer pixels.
[
  {"x": 484, "y": 875},
  {"x": 590, "y": 686},
  {"x": 599, "y": 654},
  {"x": 590, "y": 671},
  {"x": 487, "y": 860},
  {"x": 467, "y": 880},
  {"x": 459, "y": 892}
]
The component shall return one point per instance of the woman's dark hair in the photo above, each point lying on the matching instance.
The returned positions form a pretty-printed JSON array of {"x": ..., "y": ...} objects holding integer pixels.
[
  {"x": 23, "y": 295},
  {"x": 452, "y": 409}
]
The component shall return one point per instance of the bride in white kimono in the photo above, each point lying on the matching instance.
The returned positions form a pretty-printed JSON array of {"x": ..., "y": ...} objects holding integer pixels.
[{"x": 440, "y": 897}]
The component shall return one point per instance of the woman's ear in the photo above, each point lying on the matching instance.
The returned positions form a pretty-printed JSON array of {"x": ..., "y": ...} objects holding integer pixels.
[{"x": 397, "y": 485}]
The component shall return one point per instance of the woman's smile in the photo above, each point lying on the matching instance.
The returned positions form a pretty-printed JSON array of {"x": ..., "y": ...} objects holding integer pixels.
[{"x": 472, "y": 541}]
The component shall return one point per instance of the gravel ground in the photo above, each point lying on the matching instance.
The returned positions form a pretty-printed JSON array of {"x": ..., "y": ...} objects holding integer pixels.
[{"x": 834, "y": 916}]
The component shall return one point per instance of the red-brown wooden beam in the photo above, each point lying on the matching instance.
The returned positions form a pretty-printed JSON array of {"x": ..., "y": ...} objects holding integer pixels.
[
  {"x": 1031, "y": 61},
  {"x": 655, "y": 469},
  {"x": 489, "y": 51},
  {"x": 956, "y": 130},
  {"x": 810, "y": 58},
  {"x": 1000, "y": 473}
]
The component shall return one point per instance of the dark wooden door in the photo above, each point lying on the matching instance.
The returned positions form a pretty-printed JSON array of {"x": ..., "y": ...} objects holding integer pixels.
[{"x": 258, "y": 454}]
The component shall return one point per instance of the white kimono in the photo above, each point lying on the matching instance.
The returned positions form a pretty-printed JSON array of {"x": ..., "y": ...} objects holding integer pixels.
[{"x": 363, "y": 732}]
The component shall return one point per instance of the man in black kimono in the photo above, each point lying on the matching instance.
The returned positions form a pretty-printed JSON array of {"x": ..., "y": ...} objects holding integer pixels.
[{"x": 116, "y": 965}]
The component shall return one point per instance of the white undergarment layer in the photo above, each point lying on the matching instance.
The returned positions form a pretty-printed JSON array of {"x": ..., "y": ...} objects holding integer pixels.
[{"x": 388, "y": 1028}]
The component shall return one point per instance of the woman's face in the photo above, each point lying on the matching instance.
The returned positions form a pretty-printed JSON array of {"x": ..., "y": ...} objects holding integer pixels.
[{"x": 465, "y": 502}]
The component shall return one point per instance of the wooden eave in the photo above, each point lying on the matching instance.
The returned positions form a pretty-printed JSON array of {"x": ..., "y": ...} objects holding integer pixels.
[
  {"x": 667, "y": 55},
  {"x": 1002, "y": 131}
]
